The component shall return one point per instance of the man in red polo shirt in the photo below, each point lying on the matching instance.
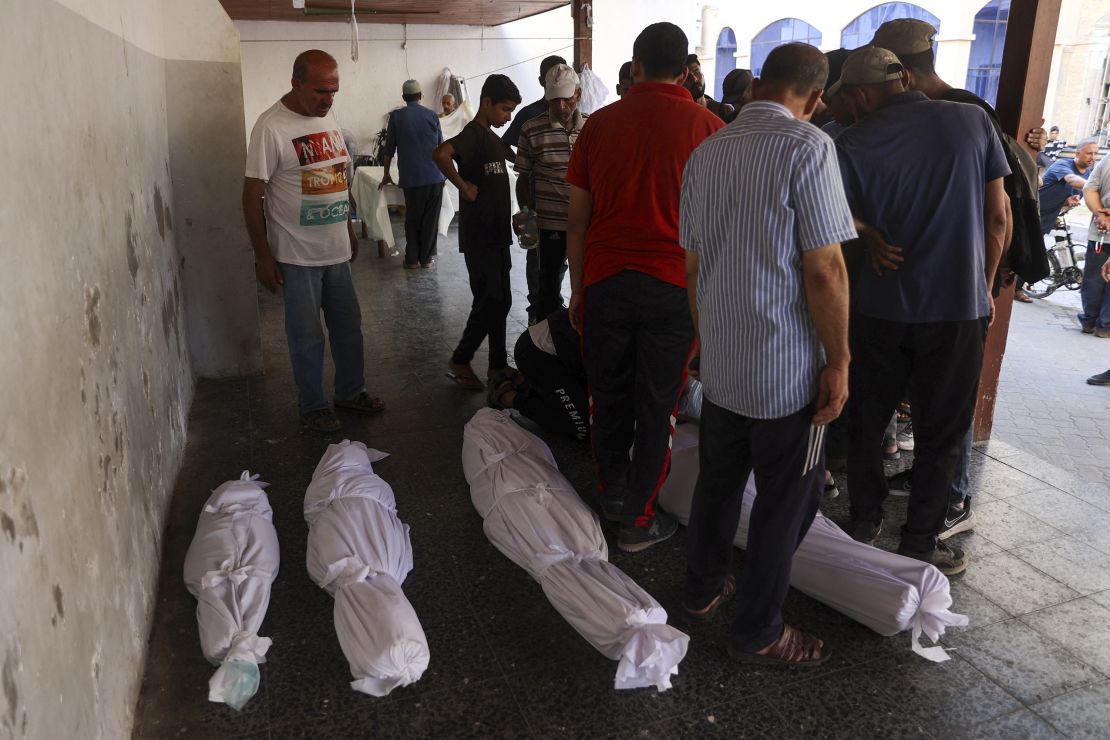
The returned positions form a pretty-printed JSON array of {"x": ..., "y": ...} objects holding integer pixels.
[{"x": 628, "y": 280}]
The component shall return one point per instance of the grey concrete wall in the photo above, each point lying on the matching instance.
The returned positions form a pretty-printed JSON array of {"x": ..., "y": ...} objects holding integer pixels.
[
  {"x": 95, "y": 371},
  {"x": 205, "y": 104}
]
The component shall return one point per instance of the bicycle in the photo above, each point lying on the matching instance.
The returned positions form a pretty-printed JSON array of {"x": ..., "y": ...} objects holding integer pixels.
[{"x": 1063, "y": 259}]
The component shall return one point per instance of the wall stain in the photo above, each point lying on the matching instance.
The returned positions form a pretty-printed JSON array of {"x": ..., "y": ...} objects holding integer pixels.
[
  {"x": 159, "y": 211},
  {"x": 170, "y": 310},
  {"x": 18, "y": 520},
  {"x": 132, "y": 253},
  {"x": 169, "y": 218},
  {"x": 84, "y": 394},
  {"x": 11, "y": 689},
  {"x": 59, "y": 608},
  {"x": 92, "y": 309}
]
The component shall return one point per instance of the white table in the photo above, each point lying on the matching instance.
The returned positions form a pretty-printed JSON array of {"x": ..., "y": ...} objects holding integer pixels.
[{"x": 373, "y": 208}]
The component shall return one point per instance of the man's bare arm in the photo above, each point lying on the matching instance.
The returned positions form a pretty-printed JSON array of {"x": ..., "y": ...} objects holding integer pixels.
[
  {"x": 1093, "y": 200},
  {"x": 995, "y": 223},
  {"x": 387, "y": 178},
  {"x": 826, "y": 286},
  {"x": 444, "y": 157},
  {"x": 265, "y": 266},
  {"x": 524, "y": 191},
  {"x": 1075, "y": 181},
  {"x": 579, "y": 214}
]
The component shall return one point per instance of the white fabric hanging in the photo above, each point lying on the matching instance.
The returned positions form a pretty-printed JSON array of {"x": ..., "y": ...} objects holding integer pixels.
[
  {"x": 535, "y": 518},
  {"x": 230, "y": 566},
  {"x": 594, "y": 90},
  {"x": 359, "y": 551},
  {"x": 884, "y": 591}
]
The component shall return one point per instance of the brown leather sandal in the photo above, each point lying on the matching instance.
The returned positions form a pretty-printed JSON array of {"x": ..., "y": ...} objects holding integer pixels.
[
  {"x": 794, "y": 648},
  {"x": 728, "y": 590}
]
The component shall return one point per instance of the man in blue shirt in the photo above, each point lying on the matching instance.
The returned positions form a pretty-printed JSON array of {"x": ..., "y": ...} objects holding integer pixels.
[
  {"x": 415, "y": 130},
  {"x": 925, "y": 176},
  {"x": 1064, "y": 182}
]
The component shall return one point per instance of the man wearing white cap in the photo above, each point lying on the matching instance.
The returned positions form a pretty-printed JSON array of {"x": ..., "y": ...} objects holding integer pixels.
[
  {"x": 543, "y": 152},
  {"x": 415, "y": 130},
  {"x": 926, "y": 177}
]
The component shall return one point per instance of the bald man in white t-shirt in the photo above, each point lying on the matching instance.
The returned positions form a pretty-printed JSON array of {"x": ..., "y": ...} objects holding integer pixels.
[{"x": 296, "y": 208}]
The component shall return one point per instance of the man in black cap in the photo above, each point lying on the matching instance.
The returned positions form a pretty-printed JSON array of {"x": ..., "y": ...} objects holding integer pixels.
[{"x": 736, "y": 91}]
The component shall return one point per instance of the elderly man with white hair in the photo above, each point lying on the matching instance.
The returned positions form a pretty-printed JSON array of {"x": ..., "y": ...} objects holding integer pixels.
[{"x": 543, "y": 152}]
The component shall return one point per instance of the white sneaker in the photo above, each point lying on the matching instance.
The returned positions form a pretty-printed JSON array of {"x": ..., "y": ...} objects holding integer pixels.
[{"x": 905, "y": 438}]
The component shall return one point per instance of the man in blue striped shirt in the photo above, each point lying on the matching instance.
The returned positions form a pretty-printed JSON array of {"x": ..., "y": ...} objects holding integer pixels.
[{"x": 763, "y": 215}]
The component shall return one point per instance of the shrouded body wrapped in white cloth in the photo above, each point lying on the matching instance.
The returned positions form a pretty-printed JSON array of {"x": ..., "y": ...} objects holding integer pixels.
[
  {"x": 359, "y": 551},
  {"x": 535, "y": 518},
  {"x": 229, "y": 568},
  {"x": 884, "y": 591}
]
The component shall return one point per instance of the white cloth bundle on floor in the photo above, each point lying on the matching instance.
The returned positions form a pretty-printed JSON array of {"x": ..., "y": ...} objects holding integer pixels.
[
  {"x": 535, "y": 518},
  {"x": 359, "y": 551},
  {"x": 230, "y": 566},
  {"x": 884, "y": 591}
]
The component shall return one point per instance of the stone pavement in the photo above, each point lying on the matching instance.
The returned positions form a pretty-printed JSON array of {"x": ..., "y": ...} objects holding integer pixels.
[{"x": 1045, "y": 406}]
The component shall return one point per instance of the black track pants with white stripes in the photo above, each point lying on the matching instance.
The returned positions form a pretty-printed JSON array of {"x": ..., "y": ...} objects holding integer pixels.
[
  {"x": 788, "y": 457},
  {"x": 636, "y": 339}
]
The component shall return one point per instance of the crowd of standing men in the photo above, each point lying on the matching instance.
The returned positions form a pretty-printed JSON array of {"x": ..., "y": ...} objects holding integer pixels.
[{"x": 827, "y": 254}]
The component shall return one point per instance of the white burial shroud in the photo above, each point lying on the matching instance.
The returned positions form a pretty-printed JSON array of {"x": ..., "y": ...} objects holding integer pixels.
[
  {"x": 882, "y": 590},
  {"x": 359, "y": 551},
  {"x": 535, "y": 518},
  {"x": 230, "y": 565}
]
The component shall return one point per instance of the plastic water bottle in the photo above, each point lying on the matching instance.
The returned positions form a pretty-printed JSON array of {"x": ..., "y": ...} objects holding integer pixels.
[
  {"x": 234, "y": 683},
  {"x": 527, "y": 228}
]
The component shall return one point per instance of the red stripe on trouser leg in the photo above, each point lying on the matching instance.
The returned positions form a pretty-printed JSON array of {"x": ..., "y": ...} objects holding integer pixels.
[
  {"x": 593, "y": 438},
  {"x": 644, "y": 519}
]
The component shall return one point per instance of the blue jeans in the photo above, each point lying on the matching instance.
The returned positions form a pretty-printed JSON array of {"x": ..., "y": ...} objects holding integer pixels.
[
  {"x": 1094, "y": 292},
  {"x": 307, "y": 291}
]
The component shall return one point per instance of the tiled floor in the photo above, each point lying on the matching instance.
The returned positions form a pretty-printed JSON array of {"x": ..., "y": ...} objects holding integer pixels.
[{"x": 1034, "y": 663}]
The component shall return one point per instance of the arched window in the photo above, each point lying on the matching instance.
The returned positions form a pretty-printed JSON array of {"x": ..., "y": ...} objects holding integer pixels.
[
  {"x": 859, "y": 32},
  {"x": 778, "y": 33},
  {"x": 986, "y": 49},
  {"x": 726, "y": 59}
]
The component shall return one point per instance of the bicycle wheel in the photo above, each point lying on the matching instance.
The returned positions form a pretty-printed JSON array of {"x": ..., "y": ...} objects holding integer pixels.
[{"x": 1047, "y": 286}]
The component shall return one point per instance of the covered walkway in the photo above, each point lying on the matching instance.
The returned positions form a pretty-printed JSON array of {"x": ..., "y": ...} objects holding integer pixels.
[{"x": 1034, "y": 662}]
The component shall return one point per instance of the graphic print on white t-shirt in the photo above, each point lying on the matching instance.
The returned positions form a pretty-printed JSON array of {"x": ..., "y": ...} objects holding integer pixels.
[
  {"x": 322, "y": 146},
  {"x": 303, "y": 161}
]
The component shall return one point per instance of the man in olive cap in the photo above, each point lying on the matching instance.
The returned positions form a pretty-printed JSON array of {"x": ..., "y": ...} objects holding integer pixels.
[
  {"x": 912, "y": 41},
  {"x": 925, "y": 176},
  {"x": 415, "y": 130}
]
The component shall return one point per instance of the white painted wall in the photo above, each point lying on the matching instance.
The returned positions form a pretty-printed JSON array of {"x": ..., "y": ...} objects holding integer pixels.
[
  {"x": 96, "y": 375},
  {"x": 617, "y": 24},
  {"x": 371, "y": 87}
]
